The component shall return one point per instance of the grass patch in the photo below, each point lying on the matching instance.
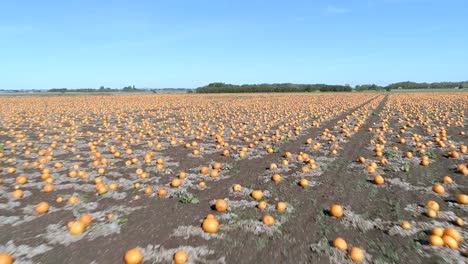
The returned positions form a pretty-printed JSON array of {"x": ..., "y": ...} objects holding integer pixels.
[
  {"x": 390, "y": 153},
  {"x": 122, "y": 221},
  {"x": 406, "y": 167},
  {"x": 187, "y": 198},
  {"x": 429, "y": 154},
  {"x": 261, "y": 243}
]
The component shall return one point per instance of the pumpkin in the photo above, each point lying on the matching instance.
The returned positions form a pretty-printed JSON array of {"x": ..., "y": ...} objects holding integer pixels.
[
  {"x": 447, "y": 179},
  {"x": 76, "y": 228},
  {"x": 86, "y": 219},
  {"x": 356, "y": 254},
  {"x": 462, "y": 199},
  {"x": 133, "y": 256},
  {"x": 113, "y": 186},
  {"x": 221, "y": 205},
  {"x": 281, "y": 206},
  {"x": 182, "y": 175},
  {"x": 21, "y": 179},
  {"x": 162, "y": 192},
  {"x": 42, "y": 208},
  {"x": 216, "y": 166},
  {"x": 340, "y": 243},
  {"x": 431, "y": 213},
  {"x": 262, "y": 205},
  {"x": 257, "y": 195},
  {"x": 73, "y": 200},
  {"x": 204, "y": 170},
  {"x": 459, "y": 221},
  {"x": 452, "y": 232},
  {"x": 438, "y": 231},
  {"x": 370, "y": 169},
  {"x": 406, "y": 225},
  {"x": 210, "y": 225},
  {"x": 273, "y": 166},
  {"x": 268, "y": 220},
  {"x": 17, "y": 194},
  {"x": 214, "y": 174},
  {"x": 276, "y": 177},
  {"x": 450, "y": 242},
  {"x": 436, "y": 241},
  {"x": 379, "y": 180},
  {"x": 304, "y": 183},
  {"x": 437, "y": 188},
  {"x": 336, "y": 210},
  {"x": 236, "y": 187},
  {"x": 433, "y": 205},
  {"x": 175, "y": 183},
  {"x": 6, "y": 258},
  {"x": 148, "y": 190},
  {"x": 180, "y": 257}
]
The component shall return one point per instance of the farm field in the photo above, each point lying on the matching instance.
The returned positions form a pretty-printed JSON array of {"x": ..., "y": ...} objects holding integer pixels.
[{"x": 234, "y": 178}]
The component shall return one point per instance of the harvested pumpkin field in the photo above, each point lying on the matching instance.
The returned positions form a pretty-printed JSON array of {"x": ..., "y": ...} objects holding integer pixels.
[{"x": 242, "y": 178}]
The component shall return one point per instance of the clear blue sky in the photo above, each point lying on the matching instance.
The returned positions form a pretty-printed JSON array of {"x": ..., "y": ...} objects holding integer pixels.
[{"x": 189, "y": 43}]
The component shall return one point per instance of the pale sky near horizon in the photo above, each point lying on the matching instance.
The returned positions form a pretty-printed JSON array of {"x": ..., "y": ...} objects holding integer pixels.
[{"x": 190, "y": 43}]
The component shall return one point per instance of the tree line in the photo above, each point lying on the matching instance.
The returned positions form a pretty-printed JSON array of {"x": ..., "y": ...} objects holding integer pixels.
[
  {"x": 271, "y": 88},
  {"x": 220, "y": 87}
]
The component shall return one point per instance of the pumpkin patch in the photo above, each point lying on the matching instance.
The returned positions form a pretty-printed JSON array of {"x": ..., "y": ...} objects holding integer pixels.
[{"x": 159, "y": 178}]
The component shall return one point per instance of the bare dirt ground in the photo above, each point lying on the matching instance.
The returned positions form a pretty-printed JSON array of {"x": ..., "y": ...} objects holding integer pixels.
[{"x": 65, "y": 141}]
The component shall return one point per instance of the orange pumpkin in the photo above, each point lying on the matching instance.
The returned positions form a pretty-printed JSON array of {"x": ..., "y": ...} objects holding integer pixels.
[
  {"x": 437, "y": 188},
  {"x": 86, "y": 219},
  {"x": 257, "y": 194},
  {"x": 281, "y": 206},
  {"x": 336, "y": 210},
  {"x": 450, "y": 242},
  {"x": 276, "y": 177},
  {"x": 433, "y": 205},
  {"x": 6, "y": 258},
  {"x": 356, "y": 254},
  {"x": 133, "y": 256},
  {"x": 262, "y": 205},
  {"x": 48, "y": 188},
  {"x": 431, "y": 213},
  {"x": 340, "y": 243},
  {"x": 210, "y": 225},
  {"x": 304, "y": 183},
  {"x": 221, "y": 205},
  {"x": 379, "y": 180},
  {"x": 42, "y": 208},
  {"x": 76, "y": 228},
  {"x": 447, "y": 179},
  {"x": 180, "y": 257},
  {"x": 162, "y": 192},
  {"x": 268, "y": 220},
  {"x": 436, "y": 241},
  {"x": 438, "y": 231},
  {"x": 176, "y": 183},
  {"x": 236, "y": 187},
  {"x": 17, "y": 194},
  {"x": 462, "y": 199},
  {"x": 406, "y": 225},
  {"x": 452, "y": 232}
]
